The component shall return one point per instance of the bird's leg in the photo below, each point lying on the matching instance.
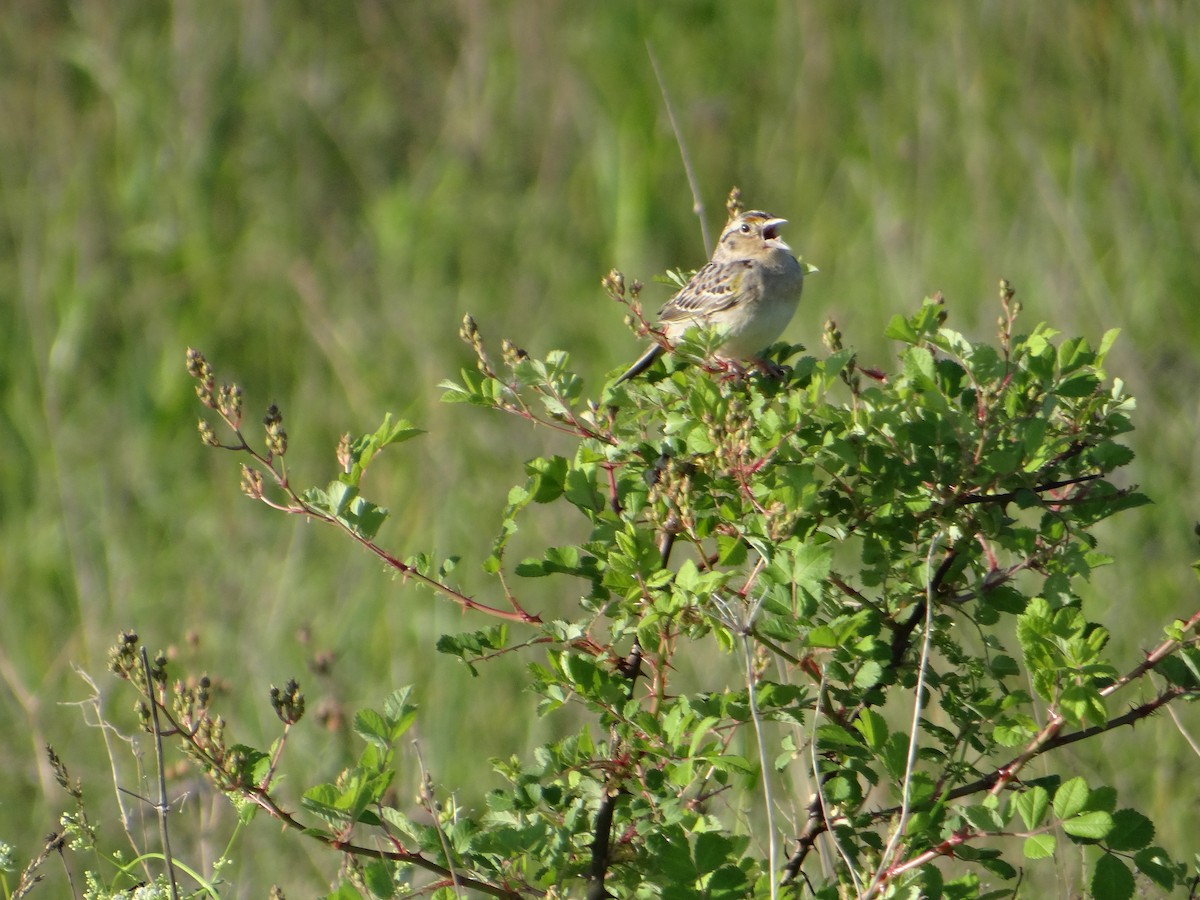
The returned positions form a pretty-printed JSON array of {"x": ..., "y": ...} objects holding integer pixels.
[
  {"x": 770, "y": 369},
  {"x": 728, "y": 369}
]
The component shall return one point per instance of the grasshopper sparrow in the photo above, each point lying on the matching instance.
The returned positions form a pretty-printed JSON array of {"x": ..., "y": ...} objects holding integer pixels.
[{"x": 748, "y": 292}]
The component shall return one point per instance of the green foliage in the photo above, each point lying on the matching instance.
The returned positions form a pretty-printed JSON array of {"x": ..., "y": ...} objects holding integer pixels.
[{"x": 867, "y": 546}]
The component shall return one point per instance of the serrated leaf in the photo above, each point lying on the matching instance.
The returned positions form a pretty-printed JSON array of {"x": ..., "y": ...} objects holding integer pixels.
[
  {"x": 1039, "y": 846},
  {"x": 810, "y": 567},
  {"x": 899, "y": 329},
  {"x": 1155, "y": 864},
  {"x": 868, "y": 675},
  {"x": 547, "y": 478},
  {"x": 371, "y": 726},
  {"x": 377, "y": 876},
  {"x": 822, "y": 636},
  {"x": 918, "y": 367},
  {"x": 982, "y": 819},
  {"x": 1112, "y": 879},
  {"x": 1070, "y": 798},
  {"x": 1078, "y": 386},
  {"x": 1092, "y": 826},
  {"x": 1106, "y": 343},
  {"x": 1103, "y": 798},
  {"x": 345, "y": 891},
  {"x": 1131, "y": 831},
  {"x": 1032, "y": 805},
  {"x": 872, "y": 726}
]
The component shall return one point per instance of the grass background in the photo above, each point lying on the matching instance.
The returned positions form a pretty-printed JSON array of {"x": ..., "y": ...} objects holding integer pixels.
[{"x": 314, "y": 194}]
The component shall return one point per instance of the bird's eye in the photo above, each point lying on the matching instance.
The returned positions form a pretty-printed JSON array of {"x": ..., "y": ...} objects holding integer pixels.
[{"x": 745, "y": 228}]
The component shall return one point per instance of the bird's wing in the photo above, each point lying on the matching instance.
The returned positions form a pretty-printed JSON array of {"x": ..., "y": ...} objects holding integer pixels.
[{"x": 716, "y": 287}]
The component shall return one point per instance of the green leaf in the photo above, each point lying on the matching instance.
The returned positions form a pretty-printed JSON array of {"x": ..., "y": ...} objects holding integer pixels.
[
  {"x": 1155, "y": 864},
  {"x": 899, "y": 329},
  {"x": 1078, "y": 386},
  {"x": 1131, "y": 831},
  {"x": 1070, "y": 798},
  {"x": 810, "y": 567},
  {"x": 895, "y": 754},
  {"x": 982, "y": 819},
  {"x": 1091, "y": 826},
  {"x": 1013, "y": 730},
  {"x": 822, "y": 636},
  {"x": 918, "y": 368},
  {"x": 377, "y": 875},
  {"x": 1080, "y": 702},
  {"x": 371, "y": 726},
  {"x": 868, "y": 675},
  {"x": 712, "y": 850},
  {"x": 1112, "y": 879},
  {"x": 1032, "y": 805},
  {"x": 547, "y": 478},
  {"x": 363, "y": 449},
  {"x": 1103, "y": 798},
  {"x": 872, "y": 726},
  {"x": 1004, "y": 666},
  {"x": 1039, "y": 846},
  {"x": 1106, "y": 343}
]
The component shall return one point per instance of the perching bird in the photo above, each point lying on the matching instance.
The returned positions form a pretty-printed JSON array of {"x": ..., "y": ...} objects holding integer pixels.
[{"x": 748, "y": 292}]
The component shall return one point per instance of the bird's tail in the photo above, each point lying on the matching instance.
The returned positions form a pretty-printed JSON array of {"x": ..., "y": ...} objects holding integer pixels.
[{"x": 655, "y": 351}]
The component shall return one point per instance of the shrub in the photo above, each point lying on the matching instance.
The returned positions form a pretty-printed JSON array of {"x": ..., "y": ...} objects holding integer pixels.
[{"x": 894, "y": 561}]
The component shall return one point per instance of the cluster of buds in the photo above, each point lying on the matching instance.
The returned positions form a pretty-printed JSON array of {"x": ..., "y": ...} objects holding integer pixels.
[
  {"x": 229, "y": 403},
  {"x": 781, "y": 521},
  {"x": 191, "y": 701},
  {"x": 939, "y": 299},
  {"x": 205, "y": 734},
  {"x": 227, "y": 399},
  {"x": 288, "y": 702},
  {"x": 831, "y": 336},
  {"x": 276, "y": 436},
  {"x": 671, "y": 484},
  {"x": 123, "y": 657},
  {"x": 615, "y": 286},
  {"x": 511, "y": 353},
  {"x": 1012, "y": 309},
  {"x": 208, "y": 437},
  {"x": 730, "y": 435},
  {"x": 733, "y": 203},
  {"x": 206, "y": 382},
  {"x": 469, "y": 332},
  {"x": 252, "y": 483}
]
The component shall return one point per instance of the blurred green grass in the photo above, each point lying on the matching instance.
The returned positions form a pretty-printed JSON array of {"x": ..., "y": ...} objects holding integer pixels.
[{"x": 314, "y": 194}]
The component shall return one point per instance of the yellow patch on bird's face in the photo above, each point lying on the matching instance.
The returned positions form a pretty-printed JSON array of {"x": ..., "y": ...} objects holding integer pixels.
[{"x": 744, "y": 235}]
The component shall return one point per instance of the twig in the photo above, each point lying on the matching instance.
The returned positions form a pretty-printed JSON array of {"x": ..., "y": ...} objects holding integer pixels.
[
  {"x": 106, "y": 732},
  {"x": 760, "y": 742},
  {"x": 882, "y": 874},
  {"x": 900, "y": 640},
  {"x": 969, "y": 499},
  {"x": 427, "y": 799},
  {"x": 1183, "y": 731},
  {"x": 697, "y": 203},
  {"x": 631, "y": 668},
  {"x": 822, "y": 806},
  {"x": 601, "y": 841},
  {"x": 161, "y": 807}
]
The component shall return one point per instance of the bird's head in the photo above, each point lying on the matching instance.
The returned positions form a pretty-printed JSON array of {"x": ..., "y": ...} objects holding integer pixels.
[{"x": 752, "y": 234}]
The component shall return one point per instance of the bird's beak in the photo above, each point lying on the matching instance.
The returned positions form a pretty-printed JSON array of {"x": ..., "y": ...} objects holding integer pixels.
[{"x": 770, "y": 233}]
